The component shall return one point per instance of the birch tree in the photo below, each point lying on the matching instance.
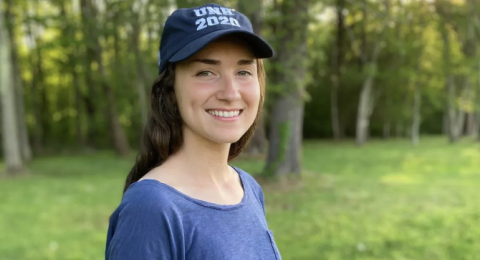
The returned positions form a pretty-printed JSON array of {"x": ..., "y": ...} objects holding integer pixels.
[
  {"x": 11, "y": 20},
  {"x": 368, "y": 61},
  {"x": 11, "y": 138}
]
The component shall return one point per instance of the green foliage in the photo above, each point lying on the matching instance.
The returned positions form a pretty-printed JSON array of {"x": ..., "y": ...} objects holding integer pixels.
[
  {"x": 53, "y": 57},
  {"x": 411, "y": 55}
]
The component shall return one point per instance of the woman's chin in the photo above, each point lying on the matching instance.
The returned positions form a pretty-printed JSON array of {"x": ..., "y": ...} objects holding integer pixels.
[{"x": 226, "y": 139}]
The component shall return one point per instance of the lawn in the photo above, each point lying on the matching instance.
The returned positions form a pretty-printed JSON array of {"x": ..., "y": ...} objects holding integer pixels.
[{"x": 387, "y": 200}]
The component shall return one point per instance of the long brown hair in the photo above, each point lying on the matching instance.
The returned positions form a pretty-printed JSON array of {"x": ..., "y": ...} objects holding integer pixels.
[{"x": 163, "y": 134}]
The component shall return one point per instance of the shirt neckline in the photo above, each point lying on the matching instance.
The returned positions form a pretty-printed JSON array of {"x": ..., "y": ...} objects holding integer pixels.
[{"x": 202, "y": 202}]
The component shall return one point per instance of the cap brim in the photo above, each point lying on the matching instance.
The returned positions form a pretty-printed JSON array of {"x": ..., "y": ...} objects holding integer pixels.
[{"x": 259, "y": 47}]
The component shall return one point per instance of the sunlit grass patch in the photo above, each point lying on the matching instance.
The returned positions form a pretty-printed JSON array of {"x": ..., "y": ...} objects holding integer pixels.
[{"x": 386, "y": 200}]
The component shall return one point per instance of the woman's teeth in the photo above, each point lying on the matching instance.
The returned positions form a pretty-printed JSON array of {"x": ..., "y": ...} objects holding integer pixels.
[{"x": 224, "y": 113}]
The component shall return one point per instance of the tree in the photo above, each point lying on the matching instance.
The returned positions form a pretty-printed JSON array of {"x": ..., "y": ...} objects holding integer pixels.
[
  {"x": 25, "y": 148},
  {"x": 40, "y": 105},
  {"x": 453, "y": 79},
  {"x": 136, "y": 21},
  {"x": 89, "y": 18},
  {"x": 417, "y": 101},
  {"x": 368, "y": 64},
  {"x": 336, "y": 62},
  {"x": 11, "y": 139},
  {"x": 288, "y": 76},
  {"x": 253, "y": 9}
]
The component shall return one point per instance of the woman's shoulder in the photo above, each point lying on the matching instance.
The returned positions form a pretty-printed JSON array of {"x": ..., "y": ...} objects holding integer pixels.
[
  {"x": 145, "y": 218},
  {"x": 247, "y": 177},
  {"x": 146, "y": 195}
]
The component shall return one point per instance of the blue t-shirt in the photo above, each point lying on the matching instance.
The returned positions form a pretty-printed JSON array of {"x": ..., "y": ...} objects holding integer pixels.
[{"x": 156, "y": 222}]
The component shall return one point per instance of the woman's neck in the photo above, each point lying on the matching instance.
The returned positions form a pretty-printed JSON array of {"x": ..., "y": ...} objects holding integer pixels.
[{"x": 202, "y": 160}]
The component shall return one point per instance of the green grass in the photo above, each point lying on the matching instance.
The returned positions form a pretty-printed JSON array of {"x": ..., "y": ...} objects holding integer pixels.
[{"x": 387, "y": 200}]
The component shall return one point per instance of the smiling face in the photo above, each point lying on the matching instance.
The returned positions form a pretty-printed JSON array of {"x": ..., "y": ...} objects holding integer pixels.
[{"x": 218, "y": 91}]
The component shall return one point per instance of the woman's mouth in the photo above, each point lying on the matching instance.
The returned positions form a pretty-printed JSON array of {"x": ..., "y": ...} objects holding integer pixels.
[{"x": 224, "y": 113}]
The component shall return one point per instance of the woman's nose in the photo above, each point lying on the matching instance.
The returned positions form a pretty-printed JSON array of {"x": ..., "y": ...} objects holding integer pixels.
[{"x": 229, "y": 90}]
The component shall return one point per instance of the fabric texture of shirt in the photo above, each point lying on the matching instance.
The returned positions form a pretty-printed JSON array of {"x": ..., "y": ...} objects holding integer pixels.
[{"x": 154, "y": 221}]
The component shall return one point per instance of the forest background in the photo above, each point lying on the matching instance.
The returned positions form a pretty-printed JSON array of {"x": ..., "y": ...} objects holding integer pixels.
[{"x": 368, "y": 147}]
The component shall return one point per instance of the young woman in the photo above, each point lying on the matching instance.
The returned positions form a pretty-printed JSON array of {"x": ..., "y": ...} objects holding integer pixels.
[{"x": 182, "y": 199}]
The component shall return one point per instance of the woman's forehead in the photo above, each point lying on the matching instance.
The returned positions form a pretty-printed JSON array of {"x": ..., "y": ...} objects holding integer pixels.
[{"x": 225, "y": 47}]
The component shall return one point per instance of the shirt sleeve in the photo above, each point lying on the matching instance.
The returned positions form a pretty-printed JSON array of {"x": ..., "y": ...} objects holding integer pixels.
[
  {"x": 257, "y": 189},
  {"x": 261, "y": 197},
  {"x": 141, "y": 229}
]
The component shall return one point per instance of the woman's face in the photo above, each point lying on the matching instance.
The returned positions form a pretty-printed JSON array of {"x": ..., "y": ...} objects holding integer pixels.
[{"x": 218, "y": 91}]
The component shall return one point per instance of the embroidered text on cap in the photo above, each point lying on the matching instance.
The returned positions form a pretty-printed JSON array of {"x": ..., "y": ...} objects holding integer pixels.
[{"x": 216, "y": 15}]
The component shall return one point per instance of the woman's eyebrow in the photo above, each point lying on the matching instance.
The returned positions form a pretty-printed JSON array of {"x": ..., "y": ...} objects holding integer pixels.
[
  {"x": 246, "y": 62},
  {"x": 208, "y": 61},
  {"x": 217, "y": 62}
]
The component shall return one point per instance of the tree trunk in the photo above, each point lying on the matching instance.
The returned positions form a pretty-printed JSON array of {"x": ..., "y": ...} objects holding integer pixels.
[
  {"x": 469, "y": 49},
  {"x": 399, "y": 130},
  {"x": 285, "y": 136},
  {"x": 81, "y": 139},
  {"x": 460, "y": 125},
  {"x": 369, "y": 68},
  {"x": 37, "y": 86},
  {"x": 337, "y": 61},
  {"x": 25, "y": 148},
  {"x": 92, "y": 108},
  {"x": 450, "y": 86},
  {"x": 253, "y": 9},
  {"x": 387, "y": 121},
  {"x": 453, "y": 116},
  {"x": 475, "y": 125},
  {"x": 460, "y": 114},
  {"x": 43, "y": 102},
  {"x": 141, "y": 81},
  {"x": 258, "y": 143},
  {"x": 445, "y": 124},
  {"x": 141, "y": 89},
  {"x": 470, "y": 124},
  {"x": 416, "y": 113},
  {"x": 477, "y": 130},
  {"x": 284, "y": 149},
  {"x": 120, "y": 142},
  {"x": 337, "y": 135},
  {"x": 72, "y": 62},
  {"x": 456, "y": 117},
  {"x": 11, "y": 139},
  {"x": 92, "y": 93},
  {"x": 386, "y": 130},
  {"x": 364, "y": 107},
  {"x": 416, "y": 117}
]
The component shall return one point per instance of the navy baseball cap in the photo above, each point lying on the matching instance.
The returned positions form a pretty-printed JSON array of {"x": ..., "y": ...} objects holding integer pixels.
[{"x": 187, "y": 31}]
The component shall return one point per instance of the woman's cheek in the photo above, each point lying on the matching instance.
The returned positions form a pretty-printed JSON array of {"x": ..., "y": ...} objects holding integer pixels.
[{"x": 252, "y": 92}]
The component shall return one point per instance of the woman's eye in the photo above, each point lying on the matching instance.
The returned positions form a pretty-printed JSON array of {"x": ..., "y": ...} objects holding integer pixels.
[
  {"x": 244, "y": 73},
  {"x": 204, "y": 73}
]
